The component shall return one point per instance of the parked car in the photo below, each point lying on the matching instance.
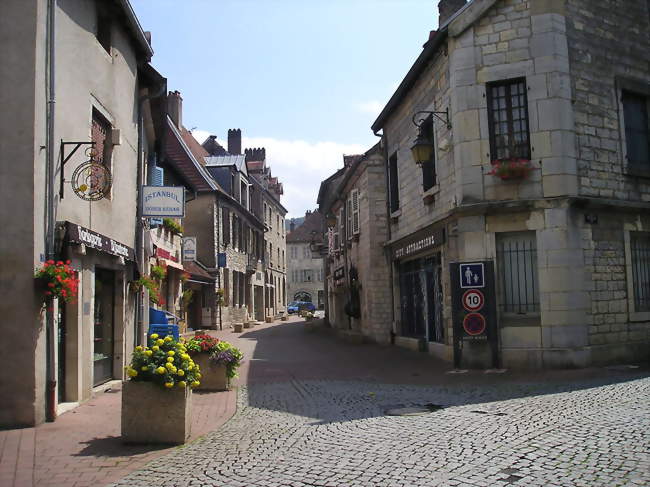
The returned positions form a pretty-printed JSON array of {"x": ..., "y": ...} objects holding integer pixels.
[{"x": 297, "y": 306}]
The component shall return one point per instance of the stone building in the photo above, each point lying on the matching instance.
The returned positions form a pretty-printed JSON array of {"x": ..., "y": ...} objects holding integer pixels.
[
  {"x": 305, "y": 269},
  {"x": 357, "y": 266},
  {"x": 538, "y": 166},
  {"x": 65, "y": 63}
]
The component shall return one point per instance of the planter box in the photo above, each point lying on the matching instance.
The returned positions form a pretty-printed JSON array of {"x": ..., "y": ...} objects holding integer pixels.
[
  {"x": 213, "y": 376},
  {"x": 247, "y": 325},
  {"x": 284, "y": 318},
  {"x": 151, "y": 414},
  {"x": 238, "y": 327},
  {"x": 269, "y": 319}
]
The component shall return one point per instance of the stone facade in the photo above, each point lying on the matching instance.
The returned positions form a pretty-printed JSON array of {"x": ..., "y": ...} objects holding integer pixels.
[
  {"x": 576, "y": 209},
  {"x": 305, "y": 271}
]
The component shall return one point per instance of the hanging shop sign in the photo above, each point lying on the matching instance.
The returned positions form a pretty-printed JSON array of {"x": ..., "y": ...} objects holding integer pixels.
[
  {"x": 221, "y": 259},
  {"x": 473, "y": 307},
  {"x": 165, "y": 254},
  {"x": 160, "y": 201},
  {"x": 189, "y": 248},
  {"x": 421, "y": 240},
  {"x": 79, "y": 234}
]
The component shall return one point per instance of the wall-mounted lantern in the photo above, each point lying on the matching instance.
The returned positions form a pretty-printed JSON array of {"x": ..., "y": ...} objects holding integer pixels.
[{"x": 422, "y": 148}]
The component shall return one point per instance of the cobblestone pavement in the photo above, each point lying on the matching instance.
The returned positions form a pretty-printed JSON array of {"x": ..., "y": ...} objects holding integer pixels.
[{"x": 335, "y": 433}]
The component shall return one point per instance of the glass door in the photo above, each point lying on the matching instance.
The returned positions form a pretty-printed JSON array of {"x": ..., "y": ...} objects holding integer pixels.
[{"x": 103, "y": 325}]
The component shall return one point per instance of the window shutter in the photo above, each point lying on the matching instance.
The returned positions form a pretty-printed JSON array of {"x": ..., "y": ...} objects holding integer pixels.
[
  {"x": 341, "y": 228},
  {"x": 355, "y": 211},
  {"x": 156, "y": 176},
  {"x": 348, "y": 218}
]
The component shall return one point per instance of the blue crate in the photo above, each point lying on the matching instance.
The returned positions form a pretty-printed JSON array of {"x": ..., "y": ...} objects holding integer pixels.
[
  {"x": 157, "y": 316},
  {"x": 164, "y": 330}
]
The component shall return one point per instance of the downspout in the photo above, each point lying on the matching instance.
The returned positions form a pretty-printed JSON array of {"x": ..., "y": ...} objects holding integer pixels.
[
  {"x": 384, "y": 143},
  {"x": 139, "y": 223},
  {"x": 50, "y": 211}
]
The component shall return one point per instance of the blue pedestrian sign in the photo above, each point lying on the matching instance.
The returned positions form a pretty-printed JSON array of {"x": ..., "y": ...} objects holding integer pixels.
[{"x": 471, "y": 275}]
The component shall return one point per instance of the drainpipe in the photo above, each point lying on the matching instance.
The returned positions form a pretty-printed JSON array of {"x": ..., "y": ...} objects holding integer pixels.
[
  {"x": 393, "y": 332},
  {"x": 50, "y": 211}
]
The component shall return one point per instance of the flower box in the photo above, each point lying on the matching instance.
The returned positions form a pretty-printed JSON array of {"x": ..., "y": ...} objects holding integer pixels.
[
  {"x": 151, "y": 414},
  {"x": 511, "y": 169},
  {"x": 213, "y": 375}
]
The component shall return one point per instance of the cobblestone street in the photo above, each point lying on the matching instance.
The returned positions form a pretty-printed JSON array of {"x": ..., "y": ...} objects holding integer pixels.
[{"x": 589, "y": 428}]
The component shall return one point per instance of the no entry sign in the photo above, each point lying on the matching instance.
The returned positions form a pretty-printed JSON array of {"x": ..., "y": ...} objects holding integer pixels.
[
  {"x": 473, "y": 300},
  {"x": 474, "y": 324}
]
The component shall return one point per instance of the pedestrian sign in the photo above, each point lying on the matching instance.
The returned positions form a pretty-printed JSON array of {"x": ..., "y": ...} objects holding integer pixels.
[{"x": 471, "y": 275}]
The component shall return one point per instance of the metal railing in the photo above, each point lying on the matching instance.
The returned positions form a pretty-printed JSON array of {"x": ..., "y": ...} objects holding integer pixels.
[
  {"x": 519, "y": 292},
  {"x": 640, "y": 246}
]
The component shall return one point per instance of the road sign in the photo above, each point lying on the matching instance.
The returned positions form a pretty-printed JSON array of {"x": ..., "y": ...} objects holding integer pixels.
[
  {"x": 474, "y": 324},
  {"x": 473, "y": 300},
  {"x": 472, "y": 275}
]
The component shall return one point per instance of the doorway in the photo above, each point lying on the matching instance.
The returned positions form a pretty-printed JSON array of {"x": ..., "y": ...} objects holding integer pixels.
[
  {"x": 421, "y": 299},
  {"x": 103, "y": 320}
]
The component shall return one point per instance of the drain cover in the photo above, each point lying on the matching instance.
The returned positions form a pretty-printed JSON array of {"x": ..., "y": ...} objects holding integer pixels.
[{"x": 413, "y": 410}]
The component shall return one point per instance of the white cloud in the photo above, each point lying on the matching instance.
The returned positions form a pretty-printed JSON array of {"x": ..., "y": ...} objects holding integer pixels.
[
  {"x": 372, "y": 107},
  {"x": 200, "y": 135},
  {"x": 300, "y": 166}
]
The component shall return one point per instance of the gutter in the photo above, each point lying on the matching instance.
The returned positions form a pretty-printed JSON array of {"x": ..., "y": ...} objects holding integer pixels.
[{"x": 136, "y": 28}]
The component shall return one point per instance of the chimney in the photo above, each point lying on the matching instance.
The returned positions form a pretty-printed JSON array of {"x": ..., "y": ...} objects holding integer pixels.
[
  {"x": 307, "y": 213},
  {"x": 175, "y": 107},
  {"x": 234, "y": 141},
  {"x": 447, "y": 8},
  {"x": 292, "y": 225}
]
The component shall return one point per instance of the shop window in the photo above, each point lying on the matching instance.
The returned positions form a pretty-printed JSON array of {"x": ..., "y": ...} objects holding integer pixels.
[
  {"x": 517, "y": 263},
  {"x": 640, "y": 250},
  {"x": 508, "y": 119},
  {"x": 637, "y": 132},
  {"x": 393, "y": 183}
]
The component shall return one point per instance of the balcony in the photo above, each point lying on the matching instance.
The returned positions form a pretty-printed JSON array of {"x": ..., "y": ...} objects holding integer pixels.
[{"x": 251, "y": 265}]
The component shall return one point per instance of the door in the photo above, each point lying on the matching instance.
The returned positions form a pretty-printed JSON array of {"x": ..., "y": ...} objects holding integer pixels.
[
  {"x": 433, "y": 277},
  {"x": 103, "y": 326}
]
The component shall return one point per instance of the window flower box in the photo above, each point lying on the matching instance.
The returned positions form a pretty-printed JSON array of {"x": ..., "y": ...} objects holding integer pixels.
[{"x": 511, "y": 169}]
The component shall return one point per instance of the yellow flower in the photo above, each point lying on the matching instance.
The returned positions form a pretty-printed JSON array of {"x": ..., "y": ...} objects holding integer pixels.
[
  {"x": 169, "y": 385},
  {"x": 198, "y": 376},
  {"x": 181, "y": 383},
  {"x": 155, "y": 348},
  {"x": 181, "y": 372},
  {"x": 169, "y": 365},
  {"x": 160, "y": 341},
  {"x": 144, "y": 368},
  {"x": 171, "y": 353},
  {"x": 185, "y": 356},
  {"x": 154, "y": 336},
  {"x": 173, "y": 369},
  {"x": 132, "y": 372},
  {"x": 148, "y": 353},
  {"x": 160, "y": 370},
  {"x": 138, "y": 348},
  {"x": 196, "y": 383},
  {"x": 190, "y": 367},
  {"x": 170, "y": 359},
  {"x": 168, "y": 339}
]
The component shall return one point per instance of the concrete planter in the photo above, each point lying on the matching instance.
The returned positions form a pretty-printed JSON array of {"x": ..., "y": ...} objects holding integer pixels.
[
  {"x": 238, "y": 327},
  {"x": 247, "y": 324},
  {"x": 284, "y": 318},
  {"x": 213, "y": 376},
  {"x": 269, "y": 319},
  {"x": 152, "y": 414}
]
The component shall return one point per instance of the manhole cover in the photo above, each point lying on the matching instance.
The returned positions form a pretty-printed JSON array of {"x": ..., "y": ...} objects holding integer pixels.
[{"x": 413, "y": 410}]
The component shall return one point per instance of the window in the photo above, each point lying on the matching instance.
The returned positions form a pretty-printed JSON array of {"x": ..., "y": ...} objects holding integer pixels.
[
  {"x": 348, "y": 217},
  {"x": 225, "y": 220},
  {"x": 293, "y": 251},
  {"x": 226, "y": 288},
  {"x": 429, "y": 167},
  {"x": 354, "y": 196},
  {"x": 283, "y": 261},
  {"x": 264, "y": 212},
  {"x": 517, "y": 261},
  {"x": 306, "y": 252},
  {"x": 393, "y": 183},
  {"x": 640, "y": 247},
  {"x": 508, "y": 119},
  {"x": 243, "y": 197},
  {"x": 100, "y": 135},
  {"x": 232, "y": 185},
  {"x": 307, "y": 275},
  {"x": 235, "y": 230},
  {"x": 637, "y": 130}
]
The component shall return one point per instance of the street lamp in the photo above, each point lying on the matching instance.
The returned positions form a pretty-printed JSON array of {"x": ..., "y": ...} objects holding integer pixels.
[{"x": 422, "y": 148}]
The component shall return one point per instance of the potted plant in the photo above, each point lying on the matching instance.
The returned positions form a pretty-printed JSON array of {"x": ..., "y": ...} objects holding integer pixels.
[
  {"x": 218, "y": 360},
  {"x": 171, "y": 225},
  {"x": 511, "y": 168},
  {"x": 156, "y": 398},
  {"x": 57, "y": 280}
]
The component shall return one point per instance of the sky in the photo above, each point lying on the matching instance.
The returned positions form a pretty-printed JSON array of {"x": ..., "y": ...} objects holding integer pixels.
[{"x": 303, "y": 78}]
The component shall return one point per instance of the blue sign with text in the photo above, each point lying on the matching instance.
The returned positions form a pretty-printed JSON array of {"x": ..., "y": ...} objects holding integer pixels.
[{"x": 471, "y": 275}]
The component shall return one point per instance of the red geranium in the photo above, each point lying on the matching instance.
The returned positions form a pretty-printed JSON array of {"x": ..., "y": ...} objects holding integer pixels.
[
  {"x": 62, "y": 281},
  {"x": 202, "y": 343}
]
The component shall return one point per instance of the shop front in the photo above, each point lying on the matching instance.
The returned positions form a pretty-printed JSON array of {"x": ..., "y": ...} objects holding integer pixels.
[{"x": 97, "y": 331}]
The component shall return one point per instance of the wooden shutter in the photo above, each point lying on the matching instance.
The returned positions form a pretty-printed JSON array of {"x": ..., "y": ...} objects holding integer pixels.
[
  {"x": 355, "y": 211},
  {"x": 348, "y": 218}
]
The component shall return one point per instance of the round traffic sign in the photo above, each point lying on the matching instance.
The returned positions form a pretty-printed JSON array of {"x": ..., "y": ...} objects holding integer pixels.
[
  {"x": 474, "y": 324},
  {"x": 473, "y": 300}
]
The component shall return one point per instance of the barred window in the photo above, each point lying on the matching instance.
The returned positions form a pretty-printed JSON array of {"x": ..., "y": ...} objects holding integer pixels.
[
  {"x": 517, "y": 261},
  {"x": 508, "y": 119},
  {"x": 640, "y": 246}
]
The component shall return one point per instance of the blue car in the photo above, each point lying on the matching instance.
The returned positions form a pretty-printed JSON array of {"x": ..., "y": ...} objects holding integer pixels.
[{"x": 297, "y": 306}]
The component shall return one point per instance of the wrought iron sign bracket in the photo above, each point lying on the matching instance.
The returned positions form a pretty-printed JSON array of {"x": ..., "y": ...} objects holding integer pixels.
[
  {"x": 65, "y": 158},
  {"x": 418, "y": 117}
]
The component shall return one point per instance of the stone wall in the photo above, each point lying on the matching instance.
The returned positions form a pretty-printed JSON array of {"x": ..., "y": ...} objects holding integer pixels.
[{"x": 593, "y": 27}]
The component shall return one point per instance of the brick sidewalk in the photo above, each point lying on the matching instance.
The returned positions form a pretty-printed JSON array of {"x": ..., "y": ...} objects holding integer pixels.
[{"x": 83, "y": 446}]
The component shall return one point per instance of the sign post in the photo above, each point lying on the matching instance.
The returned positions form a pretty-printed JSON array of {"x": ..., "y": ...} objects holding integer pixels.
[{"x": 474, "y": 308}]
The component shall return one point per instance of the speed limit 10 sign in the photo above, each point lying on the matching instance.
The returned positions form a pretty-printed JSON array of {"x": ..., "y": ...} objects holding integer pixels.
[{"x": 473, "y": 300}]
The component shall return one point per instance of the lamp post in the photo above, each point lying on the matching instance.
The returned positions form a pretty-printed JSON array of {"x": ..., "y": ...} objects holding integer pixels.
[{"x": 422, "y": 148}]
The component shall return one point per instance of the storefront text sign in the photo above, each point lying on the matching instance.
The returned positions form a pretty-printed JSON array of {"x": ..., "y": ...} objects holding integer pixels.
[
  {"x": 160, "y": 201},
  {"x": 189, "y": 248},
  {"x": 78, "y": 234},
  {"x": 421, "y": 240}
]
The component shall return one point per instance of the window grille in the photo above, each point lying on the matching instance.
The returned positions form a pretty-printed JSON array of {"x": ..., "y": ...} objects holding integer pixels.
[
  {"x": 517, "y": 260},
  {"x": 640, "y": 246}
]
